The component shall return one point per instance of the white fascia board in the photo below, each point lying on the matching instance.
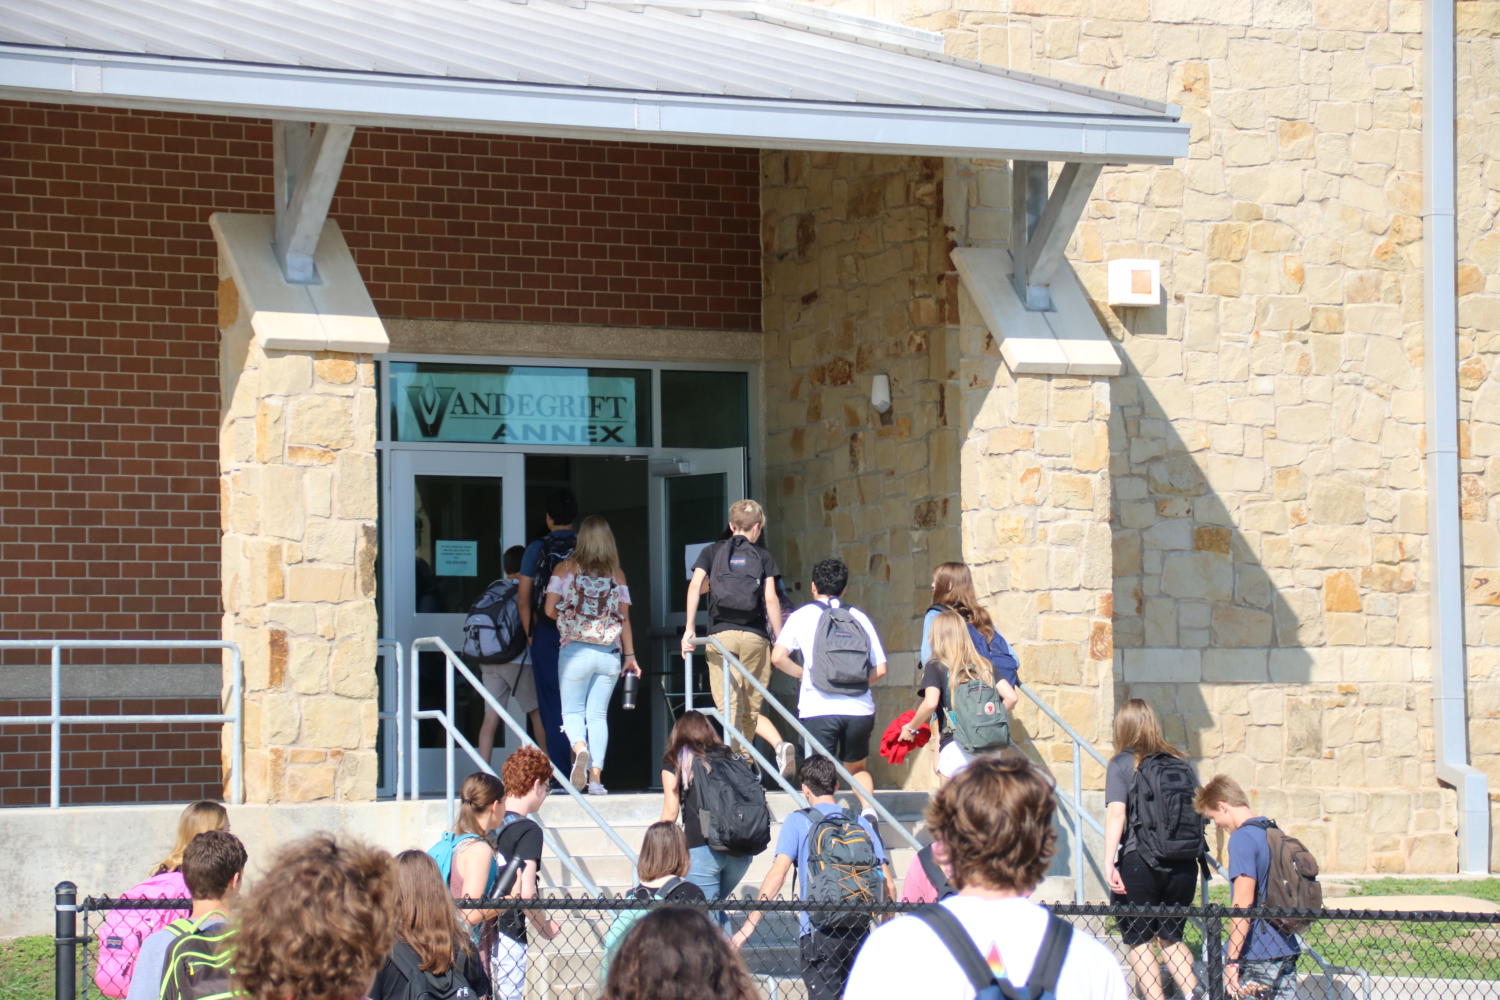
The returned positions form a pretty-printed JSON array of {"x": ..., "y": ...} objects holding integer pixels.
[{"x": 584, "y": 113}]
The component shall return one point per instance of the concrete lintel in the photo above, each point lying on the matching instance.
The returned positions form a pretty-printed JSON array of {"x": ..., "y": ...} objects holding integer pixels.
[
  {"x": 335, "y": 314},
  {"x": 1067, "y": 340}
]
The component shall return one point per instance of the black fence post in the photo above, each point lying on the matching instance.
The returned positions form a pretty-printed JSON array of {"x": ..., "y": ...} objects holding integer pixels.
[
  {"x": 65, "y": 943},
  {"x": 1213, "y": 951}
]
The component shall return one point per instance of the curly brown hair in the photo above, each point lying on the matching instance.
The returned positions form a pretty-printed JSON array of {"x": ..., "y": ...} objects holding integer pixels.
[
  {"x": 523, "y": 769},
  {"x": 318, "y": 924},
  {"x": 677, "y": 953},
  {"x": 994, "y": 819}
]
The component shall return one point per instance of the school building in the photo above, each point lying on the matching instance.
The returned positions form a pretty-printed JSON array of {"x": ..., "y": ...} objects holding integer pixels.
[{"x": 1187, "y": 316}]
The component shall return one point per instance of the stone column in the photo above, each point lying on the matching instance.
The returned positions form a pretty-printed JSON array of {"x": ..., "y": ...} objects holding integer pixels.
[{"x": 299, "y": 506}]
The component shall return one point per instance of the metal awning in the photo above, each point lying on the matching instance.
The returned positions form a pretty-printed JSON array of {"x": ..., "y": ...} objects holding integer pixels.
[{"x": 759, "y": 73}]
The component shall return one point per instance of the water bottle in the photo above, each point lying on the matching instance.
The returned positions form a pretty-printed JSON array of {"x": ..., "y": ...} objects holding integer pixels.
[{"x": 632, "y": 683}]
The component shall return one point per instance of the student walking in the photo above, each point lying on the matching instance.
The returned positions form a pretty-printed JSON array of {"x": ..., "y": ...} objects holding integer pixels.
[
  {"x": 122, "y": 932},
  {"x": 318, "y": 924},
  {"x": 693, "y": 738},
  {"x": 968, "y": 696},
  {"x": 502, "y": 657},
  {"x": 676, "y": 953},
  {"x": 1148, "y": 790},
  {"x": 590, "y": 600},
  {"x": 836, "y": 857},
  {"x": 661, "y": 869},
  {"x": 212, "y": 865},
  {"x": 527, "y": 775},
  {"x": 995, "y": 820},
  {"x": 841, "y": 658},
  {"x": 538, "y": 564},
  {"x": 953, "y": 589},
  {"x": 744, "y": 613},
  {"x": 433, "y": 954},
  {"x": 1260, "y": 958}
]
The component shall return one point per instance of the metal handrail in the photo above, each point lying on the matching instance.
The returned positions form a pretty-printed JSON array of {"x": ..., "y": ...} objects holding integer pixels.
[
  {"x": 383, "y": 648},
  {"x": 768, "y": 698},
  {"x": 56, "y": 719},
  {"x": 456, "y": 663}
]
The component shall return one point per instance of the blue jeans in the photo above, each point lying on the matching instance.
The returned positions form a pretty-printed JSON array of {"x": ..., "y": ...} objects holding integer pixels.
[
  {"x": 586, "y": 677},
  {"x": 544, "y": 640},
  {"x": 1277, "y": 975},
  {"x": 715, "y": 872}
]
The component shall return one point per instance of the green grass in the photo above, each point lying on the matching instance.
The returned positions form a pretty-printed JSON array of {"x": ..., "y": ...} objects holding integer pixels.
[
  {"x": 1486, "y": 888},
  {"x": 26, "y": 968}
]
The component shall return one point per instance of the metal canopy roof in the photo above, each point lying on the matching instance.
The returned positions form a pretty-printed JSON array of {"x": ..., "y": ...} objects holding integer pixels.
[{"x": 732, "y": 72}]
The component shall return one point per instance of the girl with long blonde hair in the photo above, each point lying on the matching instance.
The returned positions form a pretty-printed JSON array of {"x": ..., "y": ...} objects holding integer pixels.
[
  {"x": 1138, "y": 880},
  {"x": 590, "y": 599},
  {"x": 954, "y": 661}
]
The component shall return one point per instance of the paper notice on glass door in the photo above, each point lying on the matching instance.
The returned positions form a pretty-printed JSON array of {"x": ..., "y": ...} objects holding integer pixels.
[{"x": 456, "y": 558}]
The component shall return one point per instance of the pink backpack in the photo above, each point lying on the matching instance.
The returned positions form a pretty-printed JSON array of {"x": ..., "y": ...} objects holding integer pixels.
[
  {"x": 122, "y": 931},
  {"x": 590, "y": 610}
]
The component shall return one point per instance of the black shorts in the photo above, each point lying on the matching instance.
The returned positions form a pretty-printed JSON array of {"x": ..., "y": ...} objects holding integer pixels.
[
  {"x": 827, "y": 957},
  {"x": 847, "y": 737},
  {"x": 1173, "y": 885}
]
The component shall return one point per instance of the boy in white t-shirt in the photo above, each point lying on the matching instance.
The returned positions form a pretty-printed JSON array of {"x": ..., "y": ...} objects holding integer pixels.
[
  {"x": 995, "y": 822},
  {"x": 841, "y": 722}
]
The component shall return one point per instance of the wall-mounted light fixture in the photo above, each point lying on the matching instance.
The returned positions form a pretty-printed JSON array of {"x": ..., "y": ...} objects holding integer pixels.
[
  {"x": 1134, "y": 282},
  {"x": 880, "y": 393}
]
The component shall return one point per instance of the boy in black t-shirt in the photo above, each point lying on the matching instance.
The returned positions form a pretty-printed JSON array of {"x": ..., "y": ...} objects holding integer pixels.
[
  {"x": 744, "y": 613},
  {"x": 526, "y": 774}
]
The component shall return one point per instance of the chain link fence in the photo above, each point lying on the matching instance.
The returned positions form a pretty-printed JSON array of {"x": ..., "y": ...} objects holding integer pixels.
[{"x": 1347, "y": 954}]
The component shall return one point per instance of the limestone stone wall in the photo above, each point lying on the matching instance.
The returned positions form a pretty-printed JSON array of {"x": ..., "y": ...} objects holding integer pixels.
[
  {"x": 855, "y": 283},
  {"x": 1266, "y": 479},
  {"x": 298, "y": 504}
]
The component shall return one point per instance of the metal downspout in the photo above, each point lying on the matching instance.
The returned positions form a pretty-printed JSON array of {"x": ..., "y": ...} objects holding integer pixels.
[{"x": 1440, "y": 363}]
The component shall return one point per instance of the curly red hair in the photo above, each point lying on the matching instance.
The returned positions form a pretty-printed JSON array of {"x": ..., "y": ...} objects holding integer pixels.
[
  {"x": 523, "y": 769},
  {"x": 319, "y": 924}
]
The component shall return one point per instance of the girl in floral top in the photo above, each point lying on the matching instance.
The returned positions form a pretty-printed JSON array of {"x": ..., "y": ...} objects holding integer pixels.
[{"x": 590, "y": 599}]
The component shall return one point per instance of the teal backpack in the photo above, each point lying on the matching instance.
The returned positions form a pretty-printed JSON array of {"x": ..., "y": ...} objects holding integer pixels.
[{"x": 978, "y": 717}]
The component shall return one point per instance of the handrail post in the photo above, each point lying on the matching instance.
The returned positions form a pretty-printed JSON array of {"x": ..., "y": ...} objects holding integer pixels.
[
  {"x": 687, "y": 682},
  {"x": 400, "y": 723},
  {"x": 65, "y": 942},
  {"x": 237, "y": 727},
  {"x": 1077, "y": 823},
  {"x": 56, "y": 776},
  {"x": 416, "y": 750},
  {"x": 448, "y": 747}
]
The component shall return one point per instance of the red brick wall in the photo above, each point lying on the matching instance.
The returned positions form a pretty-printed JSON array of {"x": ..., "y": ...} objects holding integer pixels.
[
  {"x": 108, "y": 356},
  {"x": 109, "y": 523},
  {"x": 112, "y": 763}
]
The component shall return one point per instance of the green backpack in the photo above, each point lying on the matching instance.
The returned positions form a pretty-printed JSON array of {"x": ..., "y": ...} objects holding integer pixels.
[
  {"x": 978, "y": 717},
  {"x": 200, "y": 965}
]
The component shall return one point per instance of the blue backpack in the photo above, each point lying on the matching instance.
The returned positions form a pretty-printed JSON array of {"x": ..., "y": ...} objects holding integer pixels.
[
  {"x": 1045, "y": 971},
  {"x": 442, "y": 852}
]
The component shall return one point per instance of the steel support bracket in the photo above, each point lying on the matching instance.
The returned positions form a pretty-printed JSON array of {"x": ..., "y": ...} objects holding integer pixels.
[
  {"x": 1041, "y": 224},
  {"x": 309, "y": 158}
]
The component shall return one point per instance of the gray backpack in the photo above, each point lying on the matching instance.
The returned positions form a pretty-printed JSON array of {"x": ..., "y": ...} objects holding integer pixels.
[
  {"x": 978, "y": 718},
  {"x": 840, "y": 662},
  {"x": 843, "y": 870}
]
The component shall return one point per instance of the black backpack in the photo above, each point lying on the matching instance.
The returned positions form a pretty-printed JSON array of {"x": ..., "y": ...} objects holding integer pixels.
[
  {"x": 840, "y": 661},
  {"x": 1291, "y": 881},
  {"x": 423, "y": 985},
  {"x": 555, "y": 549},
  {"x": 492, "y": 631},
  {"x": 731, "y": 802},
  {"x": 200, "y": 965},
  {"x": 1160, "y": 805},
  {"x": 934, "y": 873},
  {"x": 1045, "y": 971},
  {"x": 737, "y": 582}
]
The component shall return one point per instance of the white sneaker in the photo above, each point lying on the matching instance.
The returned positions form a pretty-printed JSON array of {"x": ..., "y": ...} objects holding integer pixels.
[
  {"x": 597, "y": 788},
  {"x": 786, "y": 758},
  {"x": 579, "y": 775}
]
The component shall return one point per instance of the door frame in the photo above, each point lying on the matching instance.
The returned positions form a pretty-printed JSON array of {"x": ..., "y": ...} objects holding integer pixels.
[{"x": 403, "y": 465}]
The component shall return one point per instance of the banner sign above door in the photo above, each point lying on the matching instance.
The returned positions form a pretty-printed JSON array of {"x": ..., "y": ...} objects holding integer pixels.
[{"x": 597, "y": 407}]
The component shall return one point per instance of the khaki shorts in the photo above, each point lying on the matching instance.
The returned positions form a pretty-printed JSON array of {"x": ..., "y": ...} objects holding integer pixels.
[
  {"x": 513, "y": 683},
  {"x": 754, "y": 651}
]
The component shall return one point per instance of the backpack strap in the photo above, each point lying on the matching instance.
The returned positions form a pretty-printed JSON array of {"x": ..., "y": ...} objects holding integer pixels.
[
  {"x": 668, "y": 887},
  {"x": 1047, "y": 968},
  {"x": 933, "y": 871},
  {"x": 962, "y": 947}
]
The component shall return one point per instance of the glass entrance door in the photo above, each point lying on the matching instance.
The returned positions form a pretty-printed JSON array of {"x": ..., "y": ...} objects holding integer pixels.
[
  {"x": 452, "y": 514},
  {"x": 691, "y": 494}
]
